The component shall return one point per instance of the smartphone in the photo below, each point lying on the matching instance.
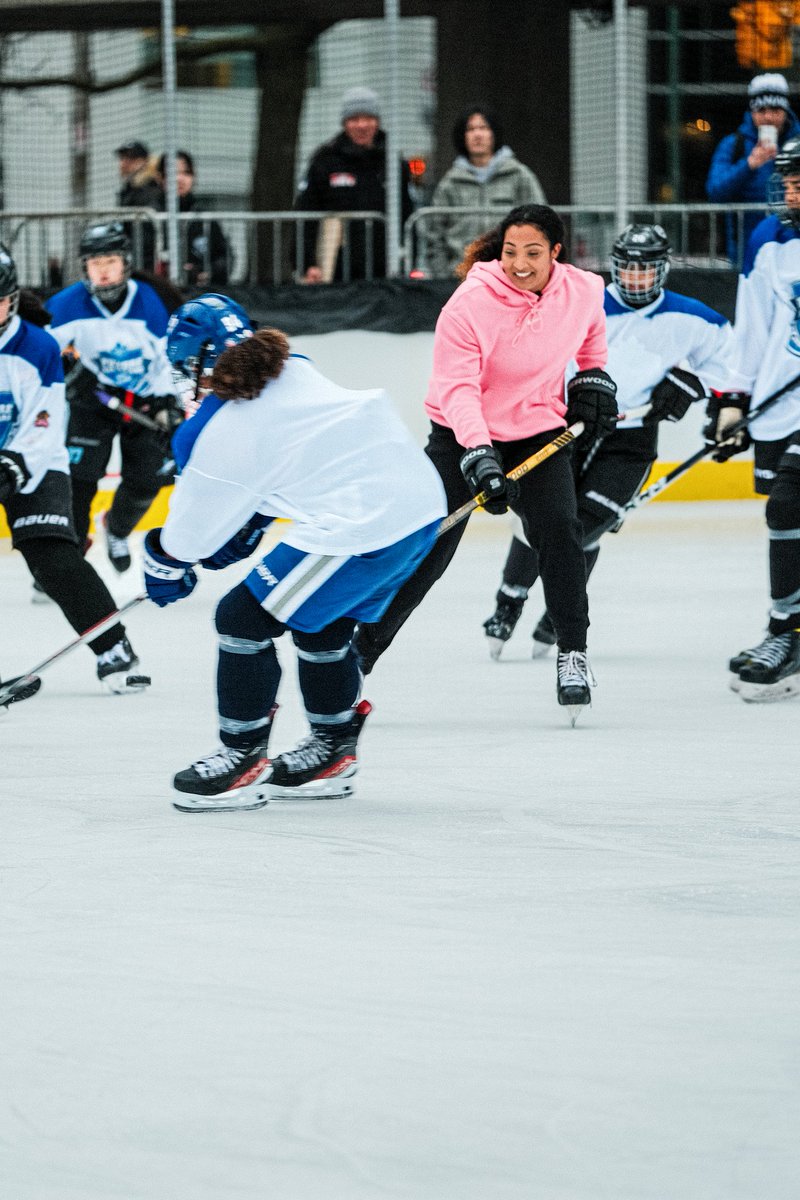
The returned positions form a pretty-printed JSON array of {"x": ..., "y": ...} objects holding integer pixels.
[{"x": 768, "y": 135}]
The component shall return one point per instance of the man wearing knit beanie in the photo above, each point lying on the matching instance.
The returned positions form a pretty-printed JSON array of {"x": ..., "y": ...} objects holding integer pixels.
[
  {"x": 742, "y": 162},
  {"x": 348, "y": 174}
]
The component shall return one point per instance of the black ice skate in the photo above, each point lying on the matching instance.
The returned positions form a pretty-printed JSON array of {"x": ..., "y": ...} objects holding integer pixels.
[
  {"x": 119, "y": 554},
  {"x": 744, "y": 657},
  {"x": 116, "y": 670},
  {"x": 544, "y": 636},
  {"x": 574, "y": 682},
  {"x": 229, "y": 780},
  {"x": 500, "y": 625},
  {"x": 773, "y": 673},
  {"x": 21, "y": 687},
  {"x": 323, "y": 764}
]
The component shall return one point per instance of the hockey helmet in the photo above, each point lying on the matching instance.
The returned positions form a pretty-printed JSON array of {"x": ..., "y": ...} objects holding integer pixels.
[
  {"x": 200, "y": 330},
  {"x": 642, "y": 253},
  {"x": 787, "y": 164},
  {"x": 9, "y": 286},
  {"x": 105, "y": 239}
]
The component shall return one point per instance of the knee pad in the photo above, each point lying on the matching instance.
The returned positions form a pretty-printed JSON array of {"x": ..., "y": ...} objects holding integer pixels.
[
  {"x": 239, "y": 617},
  {"x": 331, "y": 644}
]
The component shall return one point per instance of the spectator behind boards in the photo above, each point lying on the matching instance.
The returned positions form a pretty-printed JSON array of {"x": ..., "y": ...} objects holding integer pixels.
[
  {"x": 204, "y": 247},
  {"x": 743, "y": 161},
  {"x": 485, "y": 172},
  {"x": 348, "y": 174}
]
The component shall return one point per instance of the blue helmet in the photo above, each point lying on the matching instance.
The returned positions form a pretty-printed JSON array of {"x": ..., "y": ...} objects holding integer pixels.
[{"x": 201, "y": 329}]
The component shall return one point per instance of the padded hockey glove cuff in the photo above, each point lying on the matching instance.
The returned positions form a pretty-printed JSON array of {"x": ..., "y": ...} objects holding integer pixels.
[
  {"x": 167, "y": 579},
  {"x": 723, "y": 411},
  {"x": 483, "y": 471},
  {"x": 673, "y": 396},
  {"x": 13, "y": 474},
  {"x": 240, "y": 546},
  {"x": 592, "y": 398}
]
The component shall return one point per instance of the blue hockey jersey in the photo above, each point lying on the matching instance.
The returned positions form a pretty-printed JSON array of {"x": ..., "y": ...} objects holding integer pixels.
[{"x": 33, "y": 413}]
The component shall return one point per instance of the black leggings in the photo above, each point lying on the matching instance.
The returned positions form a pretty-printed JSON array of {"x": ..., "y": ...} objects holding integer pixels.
[{"x": 62, "y": 571}]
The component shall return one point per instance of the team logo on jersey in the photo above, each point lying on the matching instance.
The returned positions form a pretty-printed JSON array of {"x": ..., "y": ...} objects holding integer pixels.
[
  {"x": 124, "y": 366},
  {"x": 793, "y": 344},
  {"x": 8, "y": 416},
  {"x": 42, "y": 419},
  {"x": 342, "y": 179}
]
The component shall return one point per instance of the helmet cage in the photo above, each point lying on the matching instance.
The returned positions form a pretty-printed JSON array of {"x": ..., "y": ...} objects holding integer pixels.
[
  {"x": 100, "y": 241},
  {"x": 9, "y": 287},
  {"x": 787, "y": 163},
  {"x": 197, "y": 334},
  {"x": 637, "y": 250}
]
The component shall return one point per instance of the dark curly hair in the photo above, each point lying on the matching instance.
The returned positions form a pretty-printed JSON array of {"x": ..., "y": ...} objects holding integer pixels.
[
  {"x": 242, "y": 371},
  {"x": 490, "y": 244}
]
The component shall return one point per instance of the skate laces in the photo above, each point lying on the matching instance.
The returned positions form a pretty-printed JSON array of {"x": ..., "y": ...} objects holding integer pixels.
[
  {"x": 772, "y": 651},
  {"x": 220, "y": 762},
  {"x": 117, "y": 546},
  {"x": 313, "y": 751},
  {"x": 574, "y": 670},
  {"x": 118, "y": 657}
]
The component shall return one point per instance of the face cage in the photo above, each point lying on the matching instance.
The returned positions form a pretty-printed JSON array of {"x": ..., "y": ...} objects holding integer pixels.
[
  {"x": 110, "y": 293},
  {"x": 641, "y": 296},
  {"x": 13, "y": 309},
  {"x": 187, "y": 376},
  {"x": 776, "y": 199}
]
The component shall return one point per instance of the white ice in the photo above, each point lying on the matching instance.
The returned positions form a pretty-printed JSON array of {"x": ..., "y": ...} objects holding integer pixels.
[{"x": 523, "y": 962}]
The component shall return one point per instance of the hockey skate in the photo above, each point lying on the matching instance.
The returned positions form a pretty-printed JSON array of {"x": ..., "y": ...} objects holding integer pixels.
[
  {"x": 116, "y": 670},
  {"x": 500, "y": 625},
  {"x": 746, "y": 656},
  {"x": 229, "y": 780},
  {"x": 21, "y": 687},
  {"x": 773, "y": 671},
  {"x": 574, "y": 682},
  {"x": 544, "y": 636},
  {"x": 323, "y": 764},
  {"x": 118, "y": 550}
]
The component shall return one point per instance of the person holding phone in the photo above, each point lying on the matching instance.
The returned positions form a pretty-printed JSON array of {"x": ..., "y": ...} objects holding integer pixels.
[{"x": 743, "y": 161}]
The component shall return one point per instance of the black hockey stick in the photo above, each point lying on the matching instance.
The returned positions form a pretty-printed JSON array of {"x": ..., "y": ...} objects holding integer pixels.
[
  {"x": 12, "y": 690},
  {"x": 704, "y": 451},
  {"x": 551, "y": 448}
]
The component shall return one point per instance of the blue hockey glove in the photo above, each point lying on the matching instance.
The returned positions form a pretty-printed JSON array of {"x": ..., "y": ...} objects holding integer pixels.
[
  {"x": 240, "y": 546},
  {"x": 166, "y": 579}
]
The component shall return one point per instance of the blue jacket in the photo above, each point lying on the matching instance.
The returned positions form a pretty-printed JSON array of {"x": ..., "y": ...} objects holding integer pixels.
[{"x": 730, "y": 180}]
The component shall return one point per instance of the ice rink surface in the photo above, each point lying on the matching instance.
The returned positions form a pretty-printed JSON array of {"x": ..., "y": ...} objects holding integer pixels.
[{"x": 523, "y": 962}]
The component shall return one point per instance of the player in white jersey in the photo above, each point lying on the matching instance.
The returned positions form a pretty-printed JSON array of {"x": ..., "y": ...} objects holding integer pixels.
[
  {"x": 114, "y": 328},
  {"x": 765, "y": 358},
  {"x": 35, "y": 483},
  {"x": 276, "y": 439},
  {"x": 650, "y": 331}
]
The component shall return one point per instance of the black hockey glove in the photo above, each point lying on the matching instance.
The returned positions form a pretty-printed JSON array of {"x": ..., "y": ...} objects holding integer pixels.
[
  {"x": 13, "y": 474},
  {"x": 591, "y": 398},
  {"x": 483, "y": 471},
  {"x": 240, "y": 546},
  {"x": 723, "y": 410},
  {"x": 671, "y": 399},
  {"x": 164, "y": 410}
]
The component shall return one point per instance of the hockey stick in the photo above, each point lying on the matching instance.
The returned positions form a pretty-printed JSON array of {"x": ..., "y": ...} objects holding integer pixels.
[
  {"x": 125, "y": 410},
  {"x": 551, "y": 448},
  {"x": 10, "y": 690},
  {"x": 704, "y": 451}
]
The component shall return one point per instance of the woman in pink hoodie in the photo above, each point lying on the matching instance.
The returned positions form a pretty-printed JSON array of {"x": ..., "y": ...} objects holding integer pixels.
[{"x": 502, "y": 345}]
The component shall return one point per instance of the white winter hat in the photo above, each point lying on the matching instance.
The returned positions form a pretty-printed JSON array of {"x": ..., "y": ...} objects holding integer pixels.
[
  {"x": 768, "y": 91},
  {"x": 360, "y": 100}
]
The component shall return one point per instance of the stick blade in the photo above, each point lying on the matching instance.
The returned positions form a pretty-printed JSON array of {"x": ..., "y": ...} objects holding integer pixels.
[{"x": 22, "y": 687}]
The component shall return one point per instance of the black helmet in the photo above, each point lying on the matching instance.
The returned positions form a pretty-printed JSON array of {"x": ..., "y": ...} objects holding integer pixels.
[
  {"x": 787, "y": 162},
  {"x": 9, "y": 286},
  {"x": 98, "y": 240},
  {"x": 639, "y": 248}
]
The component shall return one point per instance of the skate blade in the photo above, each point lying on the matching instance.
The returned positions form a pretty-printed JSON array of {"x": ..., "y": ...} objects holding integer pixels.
[
  {"x": 734, "y": 682},
  {"x": 237, "y": 800},
  {"x": 769, "y": 693},
  {"x": 495, "y": 647},
  {"x": 125, "y": 685},
  {"x": 539, "y": 649},
  {"x": 574, "y": 711},
  {"x": 318, "y": 789}
]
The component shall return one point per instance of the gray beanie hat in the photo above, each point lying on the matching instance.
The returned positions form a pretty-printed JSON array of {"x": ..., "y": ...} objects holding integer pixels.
[
  {"x": 768, "y": 91},
  {"x": 358, "y": 100}
]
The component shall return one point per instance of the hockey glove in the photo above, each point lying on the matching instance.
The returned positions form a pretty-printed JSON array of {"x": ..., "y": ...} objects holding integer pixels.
[
  {"x": 591, "y": 398},
  {"x": 672, "y": 397},
  {"x": 167, "y": 579},
  {"x": 13, "y": 474},
  {"x": 723, "y": 410},
  {"x": 483, "y": 471},
  {"x": 240, "y": 546}
]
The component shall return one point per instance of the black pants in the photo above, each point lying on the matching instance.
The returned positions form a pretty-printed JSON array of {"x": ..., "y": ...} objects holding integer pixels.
[
  {"x": 145, "y": 467},
  {"x": 778, "y": 476},
  {"x": 548, "y": 509},
  {"x": 609, "y": 473}
]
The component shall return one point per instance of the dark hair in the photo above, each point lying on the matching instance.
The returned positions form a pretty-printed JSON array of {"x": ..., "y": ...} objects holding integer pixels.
[
  {"x": 490, "y": 244},
  {"x": 242, "y": 371},
  {"x": 490, "y": 117},
  {"x": 184, "y": 154}
]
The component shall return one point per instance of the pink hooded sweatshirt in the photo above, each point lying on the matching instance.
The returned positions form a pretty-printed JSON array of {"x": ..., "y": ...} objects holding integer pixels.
[{"x": 499, "y": 353}]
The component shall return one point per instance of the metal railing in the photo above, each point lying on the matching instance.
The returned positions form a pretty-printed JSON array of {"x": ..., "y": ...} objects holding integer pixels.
[{"x": 270, "y": 247}]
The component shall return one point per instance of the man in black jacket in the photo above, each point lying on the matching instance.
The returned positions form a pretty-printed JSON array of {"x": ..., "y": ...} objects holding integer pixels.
[{"x": 348, "y": 174}]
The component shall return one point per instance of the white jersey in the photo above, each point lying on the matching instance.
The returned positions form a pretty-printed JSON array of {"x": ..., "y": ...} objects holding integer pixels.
[
  {"x": 673, "y": 330},
  {"x": 33, "y": 413},
  {"x": 339, "y": 464},
  {"x": 766, "y": 344}
]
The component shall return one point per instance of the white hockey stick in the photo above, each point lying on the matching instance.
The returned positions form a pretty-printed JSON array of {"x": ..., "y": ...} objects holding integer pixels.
[{"x": 10, "y": 690}]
